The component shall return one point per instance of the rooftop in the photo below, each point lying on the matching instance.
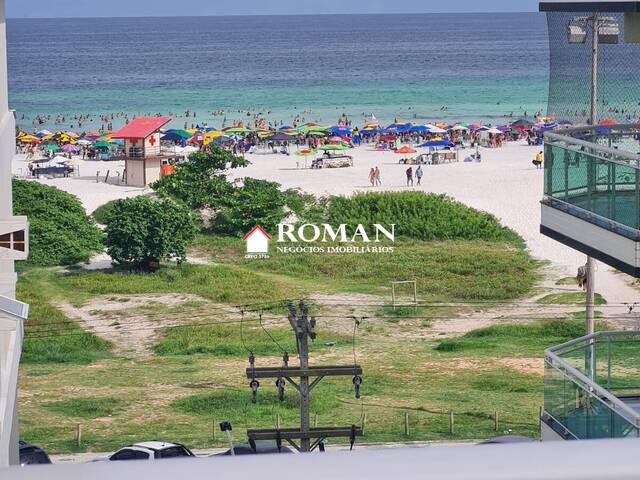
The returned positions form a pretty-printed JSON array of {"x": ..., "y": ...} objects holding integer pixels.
[{"x": 141, "y": 127}]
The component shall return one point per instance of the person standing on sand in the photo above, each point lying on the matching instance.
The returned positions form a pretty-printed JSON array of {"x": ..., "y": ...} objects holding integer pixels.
[
  {"x": 419, "y": 174},
  {"x": 538, "y": 160},
  {"x": 372, "y": 177},
  {"x": 410, "y": 176},
  {"x": 377, "y": 179}
]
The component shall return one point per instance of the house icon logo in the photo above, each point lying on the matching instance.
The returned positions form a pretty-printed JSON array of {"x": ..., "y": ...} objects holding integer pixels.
[{"x": 257, "y": 243}]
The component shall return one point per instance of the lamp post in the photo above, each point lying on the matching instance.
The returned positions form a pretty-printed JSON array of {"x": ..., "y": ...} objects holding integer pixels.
[{"x": 603, "y": 30}]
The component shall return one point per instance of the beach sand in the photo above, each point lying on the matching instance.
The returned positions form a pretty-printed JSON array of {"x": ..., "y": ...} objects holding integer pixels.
[{"x": 505, "y": 184}]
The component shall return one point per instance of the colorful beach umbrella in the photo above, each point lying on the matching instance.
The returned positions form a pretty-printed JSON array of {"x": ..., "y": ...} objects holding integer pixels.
[
  {"x": 53, "y": 148},
  {"x": 306, "y": 153},
  {"x": 70, "y": 148},
  {"x": 328, "y": 148},
  {"x": 608, "y": 121},
  {"x": 405, "y": 150}
]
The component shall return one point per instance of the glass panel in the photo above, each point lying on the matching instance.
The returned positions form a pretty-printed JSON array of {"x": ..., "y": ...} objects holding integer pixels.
[{"x": 579, "y": 177}]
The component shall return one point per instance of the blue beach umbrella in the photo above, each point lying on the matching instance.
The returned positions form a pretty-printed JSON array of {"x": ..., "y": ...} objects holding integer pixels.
[{"x": 438, "y": 143}]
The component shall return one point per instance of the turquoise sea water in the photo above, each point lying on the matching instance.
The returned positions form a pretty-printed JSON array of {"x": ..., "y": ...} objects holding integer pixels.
[{"x": 409, "y": 67}]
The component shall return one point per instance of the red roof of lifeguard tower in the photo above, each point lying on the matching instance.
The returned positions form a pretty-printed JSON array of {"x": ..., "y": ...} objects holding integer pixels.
[{"x": 141, "y": 127}]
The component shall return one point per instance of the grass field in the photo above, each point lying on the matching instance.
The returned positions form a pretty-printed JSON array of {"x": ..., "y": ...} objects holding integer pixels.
[{"x": 193, "y": 371}]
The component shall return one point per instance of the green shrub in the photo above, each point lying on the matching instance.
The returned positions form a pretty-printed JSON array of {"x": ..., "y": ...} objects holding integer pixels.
[
  {"x": 142, "y": 230},
  {"x": 257, "y": 202},
  {"x": 88, "y": 407},
  {"x": 61, "y": 233},
  {"x": 102, "y": 213},
  {"x": 419, "y": 216},
  {"x": 201, "y": 182}
]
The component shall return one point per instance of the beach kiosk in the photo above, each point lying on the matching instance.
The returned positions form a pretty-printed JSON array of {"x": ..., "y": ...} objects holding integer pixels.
[{"x": 143, "y": 156}]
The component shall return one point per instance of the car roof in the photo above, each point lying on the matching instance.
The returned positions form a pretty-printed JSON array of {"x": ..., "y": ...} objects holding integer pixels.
[{"x": 154, "y": 445}]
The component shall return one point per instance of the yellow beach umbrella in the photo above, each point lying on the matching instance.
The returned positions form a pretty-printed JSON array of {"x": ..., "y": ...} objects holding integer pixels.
[{"x": 210, "y": 136}]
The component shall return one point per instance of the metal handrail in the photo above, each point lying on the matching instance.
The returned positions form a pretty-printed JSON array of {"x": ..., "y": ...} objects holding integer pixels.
[
  {"x": 563, "y": 137},
  {"x": 615, "y": 226},
  {"x": 618, "y": 405}
]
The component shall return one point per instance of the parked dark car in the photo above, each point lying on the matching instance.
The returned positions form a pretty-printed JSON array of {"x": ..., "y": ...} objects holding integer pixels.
[{"x": 32, "y": 455}]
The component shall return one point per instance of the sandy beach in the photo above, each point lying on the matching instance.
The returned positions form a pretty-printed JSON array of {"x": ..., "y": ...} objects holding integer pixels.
[{"x": 505, "y": 184}]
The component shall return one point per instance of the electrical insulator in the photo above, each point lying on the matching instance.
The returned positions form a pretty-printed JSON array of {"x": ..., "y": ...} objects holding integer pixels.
[
  {"x": 254, "y": 384},
  {"x": 357, "y": 381},
  {"x": 280, "y": 385},
  {"x": 285, "y": 359},
  {"x": 252, "y": 359}
]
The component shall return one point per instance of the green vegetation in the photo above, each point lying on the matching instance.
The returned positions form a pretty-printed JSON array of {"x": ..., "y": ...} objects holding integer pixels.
[
  {"x": 142, "y": 230},
  {"x": 60, "y": 231},
  {"x": 91, "y": 407},
  {"x": 570, "y": 298},
  {"x": 102, "y": 213},
  {"x": 419, "y": 216},
  {"x": 219, "y": 283},
  {"x": 201, "y": 182},
  {"x": 50, "y": 337},
  {"x": 235, "y": 340},
  {"x": 463, "y": 270},
  {"x": 257, "y": 202},
  {"x": 194, "y": 370},
  {"x": 517, "y": 339}
]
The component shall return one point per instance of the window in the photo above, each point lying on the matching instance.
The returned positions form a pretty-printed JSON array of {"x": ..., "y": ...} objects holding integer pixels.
[
  {"x": 172, "y": 452},
  {"x": 130, "y": 454},
  {"x": 13, "y": 241}
]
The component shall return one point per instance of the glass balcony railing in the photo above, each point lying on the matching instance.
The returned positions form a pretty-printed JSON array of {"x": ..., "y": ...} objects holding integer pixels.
[
  {"x": 594, "y": 173},
  {"x": 592, "y": 386}
]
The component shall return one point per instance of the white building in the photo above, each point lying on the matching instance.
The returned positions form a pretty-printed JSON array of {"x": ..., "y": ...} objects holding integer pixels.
[{"x": 14, "y": 245}]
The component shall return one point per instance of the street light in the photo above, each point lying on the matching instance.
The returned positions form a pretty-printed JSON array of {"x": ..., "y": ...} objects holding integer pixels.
[{"x": 605, "y": 30}]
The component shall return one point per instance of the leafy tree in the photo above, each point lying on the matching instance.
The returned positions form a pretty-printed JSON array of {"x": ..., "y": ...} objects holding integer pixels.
[
  {"x": 61, "y": 233},
  {"x": 257, "y": 202},
  {"x": 201, "y": 182},
  {"x": 143, "y": 230}
]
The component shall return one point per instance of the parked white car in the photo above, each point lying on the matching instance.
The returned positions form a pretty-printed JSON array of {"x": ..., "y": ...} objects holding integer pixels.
[{"x": 154, "y": 450}]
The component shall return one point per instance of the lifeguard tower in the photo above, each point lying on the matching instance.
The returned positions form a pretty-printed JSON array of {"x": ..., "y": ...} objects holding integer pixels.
[{"x": 143, "y": 156}]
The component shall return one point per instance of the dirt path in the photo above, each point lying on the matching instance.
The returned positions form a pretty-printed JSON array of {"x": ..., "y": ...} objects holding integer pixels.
[{"x": 131, "y": 322}]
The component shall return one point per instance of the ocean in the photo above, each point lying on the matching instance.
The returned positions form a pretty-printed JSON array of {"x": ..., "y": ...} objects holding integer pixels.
[{"x": 421, "y": 68}]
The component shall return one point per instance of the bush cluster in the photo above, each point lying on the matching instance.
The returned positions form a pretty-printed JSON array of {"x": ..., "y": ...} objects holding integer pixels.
[
  {"x": 418, "y": 216},
  {"x": 144, "y": 230},
  {"x": 61, "y": 233}
]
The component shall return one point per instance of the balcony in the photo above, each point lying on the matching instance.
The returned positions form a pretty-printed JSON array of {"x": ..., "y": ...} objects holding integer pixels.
[
  {"x": 592, "y": 193},
  {"x": 592, "y": 387}
]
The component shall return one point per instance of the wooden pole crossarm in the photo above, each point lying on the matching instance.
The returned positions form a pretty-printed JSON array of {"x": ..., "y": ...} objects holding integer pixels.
[
  {"x": 295, "y": 385},
  {"x": 326, "y": 371},
  {"x": 316, "y": 443},
  {"x": 315, "y": 382}
]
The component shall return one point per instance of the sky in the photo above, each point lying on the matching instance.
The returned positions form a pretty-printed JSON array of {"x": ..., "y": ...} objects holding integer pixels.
[{"x": 146, "y": 8}]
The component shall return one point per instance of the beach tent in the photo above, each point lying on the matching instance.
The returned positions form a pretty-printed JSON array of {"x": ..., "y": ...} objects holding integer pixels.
[{"x": 280, "y": 137}]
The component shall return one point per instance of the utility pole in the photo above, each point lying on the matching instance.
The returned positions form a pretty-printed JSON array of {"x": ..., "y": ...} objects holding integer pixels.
[
  {"x": 309, "y": 437},
  {"x": 590, "y": 266}
]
